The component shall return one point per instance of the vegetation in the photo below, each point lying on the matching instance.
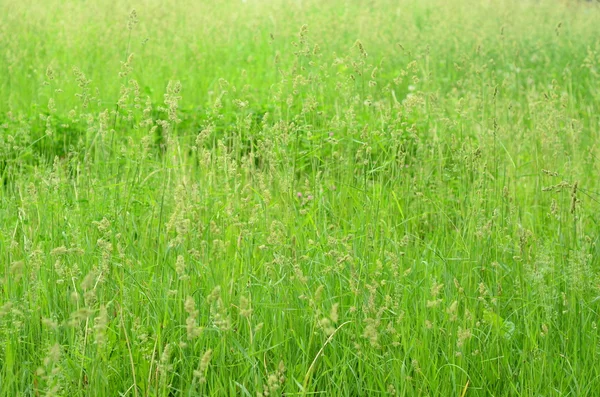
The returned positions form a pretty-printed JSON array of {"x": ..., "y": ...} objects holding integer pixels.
[{"x": 367, "y": 197}]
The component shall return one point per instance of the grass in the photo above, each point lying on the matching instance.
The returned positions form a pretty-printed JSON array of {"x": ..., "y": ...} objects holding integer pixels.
[{"x": 296, "y": 198}]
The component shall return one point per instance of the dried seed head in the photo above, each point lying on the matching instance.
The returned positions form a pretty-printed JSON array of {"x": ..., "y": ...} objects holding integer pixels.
[
  {"x": 133, "y": 20},
  {"x": 192, "y": 328},
  {"x": 53, "y": 355},
  {"x": 463, "y": 335},
  {"x": 164, "y": 366},
  {"x": 245, "y": 309},
  {"x": 200, "y": 373},
  {"x": 100, "y": 326},
  {"x": 180, "y": 268},
  {"x": 436, "y": 289},
  {"x": 574, "y": 198},
  {"x": 50, "y": 73},
  {"x": 452, "y": 311},
  {"x": 333, "y": 315},
  {"x": 361, "y": 48}
]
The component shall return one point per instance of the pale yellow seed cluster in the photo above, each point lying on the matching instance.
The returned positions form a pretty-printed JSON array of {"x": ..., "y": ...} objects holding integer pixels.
[
  {"x": 192, "y": 328},
  {"x": 200, "y": 373}
]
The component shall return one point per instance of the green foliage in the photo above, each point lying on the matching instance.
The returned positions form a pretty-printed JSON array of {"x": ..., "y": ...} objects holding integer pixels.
[{"x": 292, "y": 198}]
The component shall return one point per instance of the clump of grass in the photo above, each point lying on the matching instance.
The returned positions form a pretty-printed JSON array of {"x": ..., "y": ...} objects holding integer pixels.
[{"x": 378, "y": 199}]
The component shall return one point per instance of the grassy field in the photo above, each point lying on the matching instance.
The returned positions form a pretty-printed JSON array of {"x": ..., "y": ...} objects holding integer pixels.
[{"x": 265, "y": 198}]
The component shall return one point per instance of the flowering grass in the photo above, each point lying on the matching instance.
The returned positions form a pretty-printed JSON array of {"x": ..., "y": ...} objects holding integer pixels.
[{"x": 299, "y": 198}]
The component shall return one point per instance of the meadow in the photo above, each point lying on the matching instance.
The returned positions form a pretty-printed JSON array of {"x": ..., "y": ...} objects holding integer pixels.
[{"x": 299, "y": 197}]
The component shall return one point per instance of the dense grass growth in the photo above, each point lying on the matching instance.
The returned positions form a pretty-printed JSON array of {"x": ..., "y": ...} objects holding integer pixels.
[{"x": 299, "y": 197}]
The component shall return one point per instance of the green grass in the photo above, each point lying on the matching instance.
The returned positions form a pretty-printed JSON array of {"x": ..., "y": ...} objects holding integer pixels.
[{"x": 299, "y": 198}]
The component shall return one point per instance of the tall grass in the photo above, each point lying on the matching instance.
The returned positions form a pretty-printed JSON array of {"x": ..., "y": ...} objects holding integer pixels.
[{"x": 299, "y": 197}]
